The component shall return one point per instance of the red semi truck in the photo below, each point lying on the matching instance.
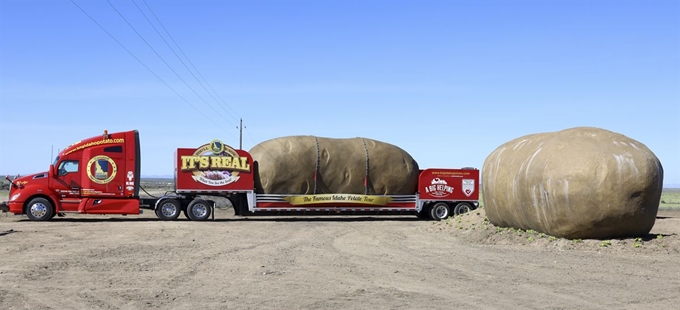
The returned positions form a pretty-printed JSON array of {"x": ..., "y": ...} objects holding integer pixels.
[{"x": 101, "y": 175}]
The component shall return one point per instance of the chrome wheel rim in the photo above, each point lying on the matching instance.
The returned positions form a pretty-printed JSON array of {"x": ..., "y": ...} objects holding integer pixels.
[
  {"x": 199, "y": 210},
  {"x": 168, "y": 209},
  {"x": 38, "y": 210},
  {"x": 440, "y": 211}
]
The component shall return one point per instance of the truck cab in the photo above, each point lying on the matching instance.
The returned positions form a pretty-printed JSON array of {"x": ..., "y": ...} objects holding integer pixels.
[{"x": 98, "y": 175}]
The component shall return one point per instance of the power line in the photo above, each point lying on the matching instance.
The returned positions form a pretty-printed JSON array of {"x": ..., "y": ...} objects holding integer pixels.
[
  {"x": 251, "y": 136},
  {"x": 179, "y": 58},
  {"x": 192, "y": 65},
  {"x": 142, "y": 63},
  {"x": 165, "y": 62}
]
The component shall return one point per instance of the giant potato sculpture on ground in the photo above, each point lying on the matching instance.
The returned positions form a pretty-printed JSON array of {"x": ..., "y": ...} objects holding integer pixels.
[
  {"x": 577, "y": 183},
  {"x": 287, "y": 165}
]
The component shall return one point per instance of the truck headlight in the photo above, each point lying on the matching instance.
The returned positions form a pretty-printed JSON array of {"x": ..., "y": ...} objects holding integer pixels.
[{"x": 15, "y": 197}]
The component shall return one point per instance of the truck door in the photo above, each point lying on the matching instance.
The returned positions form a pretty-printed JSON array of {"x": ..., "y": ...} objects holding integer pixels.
[{"x": 67, "y": 184}]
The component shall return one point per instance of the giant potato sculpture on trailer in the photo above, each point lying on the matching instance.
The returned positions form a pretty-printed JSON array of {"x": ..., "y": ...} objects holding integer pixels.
[
  {"x": 287, "y": 165},
  {"x": 577, "y": 183}
]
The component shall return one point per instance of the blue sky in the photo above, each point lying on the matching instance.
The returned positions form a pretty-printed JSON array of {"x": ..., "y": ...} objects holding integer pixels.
[{"x": 448, "y": 81}]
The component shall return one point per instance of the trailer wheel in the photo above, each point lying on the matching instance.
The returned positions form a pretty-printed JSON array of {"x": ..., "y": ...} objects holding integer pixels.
[
  {"x": 462, "y": 208},
  {"x": 440, "y": 211},
  {"x": 39, "y": 209},
  {"x": 198, "y": 210},
  {"x": 168, "y": 210}
]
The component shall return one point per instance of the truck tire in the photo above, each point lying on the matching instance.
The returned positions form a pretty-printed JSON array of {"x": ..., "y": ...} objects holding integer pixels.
[
  {"x": 39, "y": 209},
  {"x": 462, "y": 208},
  {"x": 440, "y": 211},
  {"x": 198, "y": 210},
  {"x": 168, "y": 210}
]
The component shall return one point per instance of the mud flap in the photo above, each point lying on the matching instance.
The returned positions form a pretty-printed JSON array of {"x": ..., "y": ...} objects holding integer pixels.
[{"x": 4, "y": 206}]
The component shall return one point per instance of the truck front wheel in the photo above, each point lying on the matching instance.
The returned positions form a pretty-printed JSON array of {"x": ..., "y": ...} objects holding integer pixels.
[
  {"x": 440, "y": 211},
  {"x": 168, "y": 210},
  {"x": 39, "y": 209},
  {"x": 198, "y": 210}
]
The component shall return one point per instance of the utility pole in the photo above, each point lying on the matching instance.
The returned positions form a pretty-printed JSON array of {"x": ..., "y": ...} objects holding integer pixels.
[{"x": 240, "y": 135}]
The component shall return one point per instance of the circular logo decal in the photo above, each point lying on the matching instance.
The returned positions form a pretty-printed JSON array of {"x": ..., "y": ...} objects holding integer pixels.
[
  {"x": 217, "y": 147},
  {"x": 101, "y": 169}
]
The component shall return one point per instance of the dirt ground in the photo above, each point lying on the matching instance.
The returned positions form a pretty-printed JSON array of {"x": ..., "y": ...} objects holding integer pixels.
[{"x": 115, "y": 262}]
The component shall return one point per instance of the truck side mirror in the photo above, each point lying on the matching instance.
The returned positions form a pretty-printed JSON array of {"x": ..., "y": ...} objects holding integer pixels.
[{"x": 52, "y": 174}]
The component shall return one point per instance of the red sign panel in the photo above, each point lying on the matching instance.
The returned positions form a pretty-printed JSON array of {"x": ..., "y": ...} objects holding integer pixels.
[
  {"x": 449, "y": 184},
  {"x": 214, "y": 166}
]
